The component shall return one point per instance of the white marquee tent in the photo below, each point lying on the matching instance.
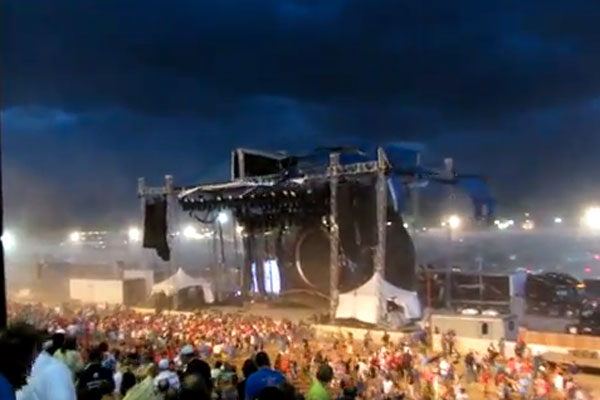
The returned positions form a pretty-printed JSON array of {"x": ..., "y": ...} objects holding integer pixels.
[
  {"x": 368, "y": 302},
  {"x": 181, "y": 280}
]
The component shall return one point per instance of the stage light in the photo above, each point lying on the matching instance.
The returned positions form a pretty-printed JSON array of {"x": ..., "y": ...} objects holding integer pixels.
[
  {"x": 134, "y": 235},
  {"x": 454, "y": 222},
  {"x": 8, "y": 241},
  {"x": 591, "y": 218},
  {"x": 75, "y": 237},
  {"x": 558, "y": 220},
  {"x": 189, "y": 232},
  {"x": 528, "y": 225},
  {"x": 222, "y": 218}
]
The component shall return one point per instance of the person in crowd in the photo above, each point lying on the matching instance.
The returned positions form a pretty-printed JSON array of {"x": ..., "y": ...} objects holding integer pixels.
[
  {"x": 144, "y": 390},
  {"x": 50, "y": 378},
  {"x": 263, "y": 378},
  {"x": 18, "y": 348},
  {"x": 128, "y": 381},
  {"x": 194, "y": 387},
  {"x": 248, "y": 369},
  {"x": 57, "y": 342},
  {"x": 382, "y": 371},
  {"x": 197, "y": 378},
  {"x": 186, "y": 355},
  {"x": 95, "y": 381},
  {"x": 69, "y": 355},
  {"x": 318, "y": 390},
  {"x": 166, "y": 378}
]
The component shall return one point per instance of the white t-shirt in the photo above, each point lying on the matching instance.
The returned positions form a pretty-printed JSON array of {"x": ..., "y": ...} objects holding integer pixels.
[
  {"x": 444, "y": 368},
  {"x": 388, "y": 385},
  {"x": 50, "y": 380},
  {"x": 559, "y": 382}
]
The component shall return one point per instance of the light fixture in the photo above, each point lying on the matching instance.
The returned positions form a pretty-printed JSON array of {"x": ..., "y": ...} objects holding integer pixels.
[
  {"x": 239, "y": 229},
  {"x": 75, "y": 237},
  {"x": 8, "y": 241},
  {"x": 222, "y": 218},
  {"x": 591, "y": 218},
  {"x": 558, "y": 220},
  {"x": 134, "y": 234},
  {"x": 528, "y": 225},
  {"x": 454, "y": 222},
  {"x": 190, "y": 232}
]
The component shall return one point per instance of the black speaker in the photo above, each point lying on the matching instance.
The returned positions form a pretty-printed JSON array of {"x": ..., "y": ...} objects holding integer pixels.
[{"x": 155, "y": 227}]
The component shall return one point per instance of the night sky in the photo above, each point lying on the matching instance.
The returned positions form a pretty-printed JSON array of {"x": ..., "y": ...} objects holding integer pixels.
[{"x": 97, "y": 93}]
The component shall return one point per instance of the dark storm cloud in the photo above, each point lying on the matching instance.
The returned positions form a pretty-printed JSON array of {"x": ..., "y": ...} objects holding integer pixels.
[
  {"x": 97, "y": 93},
  {"x": 467, "y": 57}
]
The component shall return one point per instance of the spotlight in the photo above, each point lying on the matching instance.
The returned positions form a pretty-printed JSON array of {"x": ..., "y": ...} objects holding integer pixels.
[
  {"x": 454, "y": 222},
  {"x": 134, "y": 235},
  {"x": 9, "y": 241},
  {"x": 189, "y": 232},
  {"x": 75, "y": 237},
  {"x": 592, "y": 218},
  {"x": 222, "y": 218}
]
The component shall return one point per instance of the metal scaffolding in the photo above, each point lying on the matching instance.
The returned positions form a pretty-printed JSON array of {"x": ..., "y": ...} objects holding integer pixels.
[{"x": 332, "y": 175}]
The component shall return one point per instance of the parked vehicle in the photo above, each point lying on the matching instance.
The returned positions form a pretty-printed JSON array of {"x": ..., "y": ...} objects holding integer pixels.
[{"x": 553, "y": 294}]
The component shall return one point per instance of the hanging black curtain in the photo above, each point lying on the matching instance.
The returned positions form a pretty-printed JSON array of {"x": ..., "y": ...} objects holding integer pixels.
[{"x": 155, "y": 226}]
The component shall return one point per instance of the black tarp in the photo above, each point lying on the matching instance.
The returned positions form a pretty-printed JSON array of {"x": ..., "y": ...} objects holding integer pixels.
[{"x": 155, "y": 226}]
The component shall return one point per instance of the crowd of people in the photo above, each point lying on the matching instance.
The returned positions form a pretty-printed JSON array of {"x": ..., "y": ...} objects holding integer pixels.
[{"x": 114, "y": 353}]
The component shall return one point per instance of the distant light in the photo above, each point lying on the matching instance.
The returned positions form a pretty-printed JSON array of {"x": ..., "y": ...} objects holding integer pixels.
[
  {"x": 454, "y": 222},
  {"x": 405, "y": 225},
  {"x": 587, "y": 270},
  {"x": 527, "y": 214},
  {"x": 190, "y": 232},
  {"x": 239, "y": 229},
  {"x": 389, "y": 223},
  {"x": 134, "y": 235},
  {"x": 558, "y": 220},
  {"x": 222, "y": 218},
  {"x": 591, "y": 218},
  {"x": 9, "y": 241},
  {"x": 528, "y": 225},
  {"x": 75, "y": 236},
  {"x": 597, "y": 257}
]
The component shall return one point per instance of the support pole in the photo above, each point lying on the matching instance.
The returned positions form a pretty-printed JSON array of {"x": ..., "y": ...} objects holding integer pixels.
[
  {"x": 381, "y": 188},
  {"x": 142, "y": 197},
  {"x": 171, "y": 202},
  {"x": 3, "y": 311},
  {"x": 334, "y": 234},
  {"x": 416, "y": 202},
  {"x": 221, "y": 273},
  {"x": 171, "y": 239}
]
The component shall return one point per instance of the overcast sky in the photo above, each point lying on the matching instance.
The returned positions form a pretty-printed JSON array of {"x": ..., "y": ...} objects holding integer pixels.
[{"x": 97, "y": 93}]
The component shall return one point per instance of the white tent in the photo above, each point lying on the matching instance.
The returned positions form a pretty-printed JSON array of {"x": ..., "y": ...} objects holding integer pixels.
[
  {"x": 181, "y": 280},
  {"x": 368, "y": 303}
]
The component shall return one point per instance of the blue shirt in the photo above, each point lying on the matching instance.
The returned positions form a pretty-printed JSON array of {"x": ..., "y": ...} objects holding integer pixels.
[
  {"x": 6, "y": 389},
  {"x": 262, "y": 379}
]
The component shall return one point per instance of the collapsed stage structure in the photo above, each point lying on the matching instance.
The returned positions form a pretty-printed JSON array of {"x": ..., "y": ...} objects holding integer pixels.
[{"x": 336, "y": 206}]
